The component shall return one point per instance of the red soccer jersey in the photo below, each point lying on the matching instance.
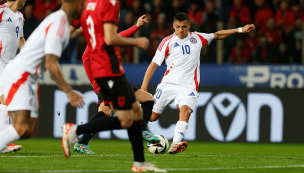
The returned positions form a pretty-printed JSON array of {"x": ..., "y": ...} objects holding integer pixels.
[
  {"x": 104, "y": 61},
  {"x": 86, "y": 57}
]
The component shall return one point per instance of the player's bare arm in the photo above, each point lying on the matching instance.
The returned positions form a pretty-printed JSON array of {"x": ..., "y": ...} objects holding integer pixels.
[
  {"x": 75, "y": 32},
  {"x": 51, "y": 64},
  {"x": 225, "y": 33},
  {"x": 113, "y": 39},
  {"x": 21, "y": 42},
  {"x": 149, "y": 73}
]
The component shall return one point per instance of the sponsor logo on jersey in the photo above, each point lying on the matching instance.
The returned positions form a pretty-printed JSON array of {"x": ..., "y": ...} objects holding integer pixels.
[
  {"x": 176, "y": 45},
  {"x": 193, "y": 40},
  {"x": 191, "y": 94},
  {"x": 110, "y": 83},
  {"x": 113, "y": 2},
  {"x": 9, "y": 20}
]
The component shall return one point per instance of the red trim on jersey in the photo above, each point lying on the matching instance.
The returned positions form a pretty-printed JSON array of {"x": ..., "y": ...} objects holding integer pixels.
[
  {"x": 3, "y": 6},
  {"x": 167, "y": 72},
  {"x": 61, "y": 28},
  {"x": 195, "y": 78},
  {"x": 203, "y": 40},
  {"x": 47, "y": 29},
  {"x": 15, "y": 87},
  {"x": 1, "y": 14},
  {"x": 164, "y": 41},
  {"x": 36, "y": 71},
  {"x": 167, "y": 50}
]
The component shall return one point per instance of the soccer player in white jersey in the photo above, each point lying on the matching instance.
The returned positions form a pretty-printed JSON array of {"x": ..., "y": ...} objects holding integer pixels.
[
  {"x": 11, "y": 38},
  {"x": 181, "y": 52},
  {"x": 40, "y": 53}
]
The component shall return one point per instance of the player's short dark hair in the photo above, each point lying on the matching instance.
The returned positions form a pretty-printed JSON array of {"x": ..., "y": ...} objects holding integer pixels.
[{"x": 181, "y": 17}]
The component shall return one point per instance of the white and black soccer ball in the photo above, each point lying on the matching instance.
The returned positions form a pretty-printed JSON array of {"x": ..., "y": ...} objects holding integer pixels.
[{"x": 159, "y": 148}]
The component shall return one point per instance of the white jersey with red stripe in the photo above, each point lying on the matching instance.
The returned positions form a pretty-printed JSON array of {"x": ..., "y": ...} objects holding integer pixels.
[
  {"x": 182, "y": 57},
  {"x": 11, "y": 30},
  {"x": 50, "y": 37}
]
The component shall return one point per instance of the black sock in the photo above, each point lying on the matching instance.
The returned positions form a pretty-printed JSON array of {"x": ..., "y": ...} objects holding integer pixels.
[
  {"x": 136, "y": 140},
  {"x": 147, "y": 111},
  {"x": 87, "y": 137},
  {"x": 100, "y": 124}
]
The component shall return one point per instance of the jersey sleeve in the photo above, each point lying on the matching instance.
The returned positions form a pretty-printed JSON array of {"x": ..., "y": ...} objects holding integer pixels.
[
  {"x": 206, "y": 39},
  {"x": 111, "y": 11},
  {"x": 129, "y": 32},
  {"x": 161, "y": 52},
  {"x": 55, "y": 38}
]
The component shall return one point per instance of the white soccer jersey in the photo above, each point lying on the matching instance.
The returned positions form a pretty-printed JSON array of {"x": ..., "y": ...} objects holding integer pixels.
[
  {"x": 182, "y": 58},
  {"x": 50, "y": 37},
  {"x": 11, "y": 30}
]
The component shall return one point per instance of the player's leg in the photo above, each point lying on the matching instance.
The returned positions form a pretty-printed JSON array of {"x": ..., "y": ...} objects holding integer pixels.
[
  {"x": 147, "y": 102},
  {"x": 4, "y": 118},
  {"x": 21, "y": 128},
  {"x": 103, "y": 110},
  {"x": 21, "y": 99},
  {"x": 114, "y": 94},
  {"x": 135, "y": 137},
  {"x": 180, "y": 130},
  {"x": 186, "y": 103}
]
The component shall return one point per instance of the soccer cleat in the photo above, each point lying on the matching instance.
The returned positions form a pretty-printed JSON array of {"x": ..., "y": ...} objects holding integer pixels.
[
  {"x": 147, "y": 136},
  {"x": 68, "y": 138},
  {"x": 82, "y": 148},
  {"x": 147, "y": 167},
  {"x": 11, "y": 148},
  {"x": 178, "y": 147}
]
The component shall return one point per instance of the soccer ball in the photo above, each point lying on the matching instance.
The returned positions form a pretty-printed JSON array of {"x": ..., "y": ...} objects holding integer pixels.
[{"x": 159, "y": 148}]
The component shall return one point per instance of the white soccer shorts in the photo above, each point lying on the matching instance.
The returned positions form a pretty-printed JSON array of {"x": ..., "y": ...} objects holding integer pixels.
[
  {"x": 167, "y": 93},
  {"x": 20, "y": 90}
]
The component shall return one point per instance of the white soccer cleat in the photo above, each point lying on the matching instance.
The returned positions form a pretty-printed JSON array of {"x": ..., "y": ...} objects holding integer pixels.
[
  {"x": 11, "y": 148},
  {"x": 147, "y": 167},
  {"x": 68, "y": 138},
  {"x": 178, "y": 147}
]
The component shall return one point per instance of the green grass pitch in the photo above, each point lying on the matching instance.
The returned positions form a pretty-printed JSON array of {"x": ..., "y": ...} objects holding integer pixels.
[{"x": 45, "y": 155}]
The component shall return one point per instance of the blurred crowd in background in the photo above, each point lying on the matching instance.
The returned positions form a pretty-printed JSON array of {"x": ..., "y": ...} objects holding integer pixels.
[{"x": 277, "y": 38}]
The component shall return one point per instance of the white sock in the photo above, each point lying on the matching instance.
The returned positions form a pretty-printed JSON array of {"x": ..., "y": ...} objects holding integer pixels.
[
  {"x": 8, "y": 135},
  {"x": 179, "y": 131},
  {"x": 4, "y": 118}
]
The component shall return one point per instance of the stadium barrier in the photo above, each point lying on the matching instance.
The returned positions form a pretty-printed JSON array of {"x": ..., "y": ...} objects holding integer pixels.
[{"x": 225, "y": 114}]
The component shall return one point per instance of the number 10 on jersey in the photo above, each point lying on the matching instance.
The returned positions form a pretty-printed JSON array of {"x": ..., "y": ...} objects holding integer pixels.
[{"x": 186, "y": 49}]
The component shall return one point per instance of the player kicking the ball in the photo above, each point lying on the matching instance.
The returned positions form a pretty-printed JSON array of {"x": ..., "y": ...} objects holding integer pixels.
[
  {"x": 40, "y": 53},
  {"x": 145, "y": 98},
  {"x": 181, "y": 52},
  {"x": 11, "y": 38}
]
